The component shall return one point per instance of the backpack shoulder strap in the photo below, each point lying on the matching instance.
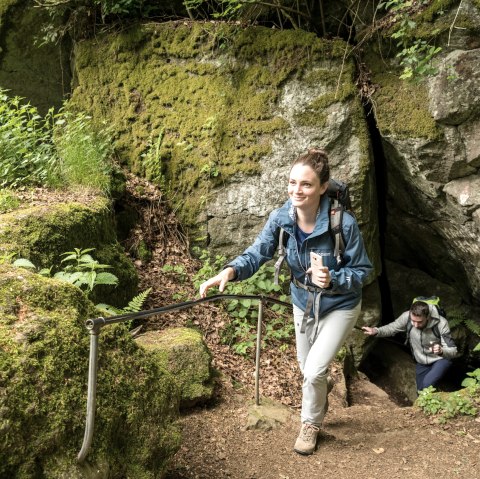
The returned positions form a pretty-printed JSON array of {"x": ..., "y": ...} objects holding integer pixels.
[
  {"x": 281, "y": 255},
  {"x": 336, "y": 230}
]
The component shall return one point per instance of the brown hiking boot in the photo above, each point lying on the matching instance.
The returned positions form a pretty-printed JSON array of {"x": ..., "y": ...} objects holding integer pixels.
[{"x": 307, "y": 439}]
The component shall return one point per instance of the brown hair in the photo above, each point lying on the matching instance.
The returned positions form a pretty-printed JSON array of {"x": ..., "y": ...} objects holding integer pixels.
[
  {"x": 419, "y": 308},
  {"x": 317, "y": 160}
]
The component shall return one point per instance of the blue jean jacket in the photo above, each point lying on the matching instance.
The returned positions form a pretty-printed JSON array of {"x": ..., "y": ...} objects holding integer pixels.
[{"x": 347, "y": 278}]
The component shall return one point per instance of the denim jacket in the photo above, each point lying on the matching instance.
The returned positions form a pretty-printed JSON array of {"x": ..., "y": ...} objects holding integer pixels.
[{"x": 347, "y": 278}]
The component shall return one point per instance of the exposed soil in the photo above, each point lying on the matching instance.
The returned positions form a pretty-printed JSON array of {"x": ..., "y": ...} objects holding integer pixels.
[{"x": 365, "y": 434}]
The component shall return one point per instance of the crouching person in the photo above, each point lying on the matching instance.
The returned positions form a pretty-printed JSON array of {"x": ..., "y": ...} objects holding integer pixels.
[{"x": 430, "y": 340}]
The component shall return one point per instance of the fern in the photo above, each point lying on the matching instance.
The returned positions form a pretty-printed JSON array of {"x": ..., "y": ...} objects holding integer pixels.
[
  {"x": 134, "y": 306},
  {"x": 472, "y": 326},
  {"x": 455, "y": 322}
]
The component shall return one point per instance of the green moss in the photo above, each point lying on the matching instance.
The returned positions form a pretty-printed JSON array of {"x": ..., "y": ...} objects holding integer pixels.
[
  {"x": 183, "y": 352},
  {"x": 402, "y": 108},
  {"x": 4, "y": 6},
  {"x": 42, "y": 234},
  {"x": 43, "y": 371},
  {"x": 195, "y": 102}
]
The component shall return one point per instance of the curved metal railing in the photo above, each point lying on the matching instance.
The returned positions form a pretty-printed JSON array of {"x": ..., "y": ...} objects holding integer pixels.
[{"x": 94, "y": 326}]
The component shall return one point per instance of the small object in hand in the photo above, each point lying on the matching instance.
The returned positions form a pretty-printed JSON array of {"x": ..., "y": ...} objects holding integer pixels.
[{"x": 317, "y": 263}]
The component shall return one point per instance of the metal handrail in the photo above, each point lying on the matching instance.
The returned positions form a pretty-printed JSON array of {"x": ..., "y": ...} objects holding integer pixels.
[{"x": 95, "y": 325}]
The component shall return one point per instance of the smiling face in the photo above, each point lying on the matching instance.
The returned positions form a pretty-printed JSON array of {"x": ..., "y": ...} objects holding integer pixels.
[{"x": 304, "y": 187}]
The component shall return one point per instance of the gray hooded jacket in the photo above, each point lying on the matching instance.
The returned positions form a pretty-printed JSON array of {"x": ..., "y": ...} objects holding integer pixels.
[{"x": 420, "y": 338}]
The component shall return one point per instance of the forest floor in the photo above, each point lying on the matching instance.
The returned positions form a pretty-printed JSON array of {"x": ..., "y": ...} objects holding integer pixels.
[{"x": 365, "y": 434}]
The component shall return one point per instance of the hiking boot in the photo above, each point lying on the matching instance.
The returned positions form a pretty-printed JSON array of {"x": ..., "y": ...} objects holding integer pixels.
[
  {"x": 330, "y": 385},
  {"x": 307, "y": 439}
]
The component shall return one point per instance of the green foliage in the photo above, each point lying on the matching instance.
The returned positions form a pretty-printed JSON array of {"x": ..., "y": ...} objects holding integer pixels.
[
  {"x": 415, "y": 55},
  {"x": 241, "y": 333},
  {"x": 177, "y": 270},
  {"x": 27, "y": 155},
  {"x": 152, "y": 160},
  {"x": 458, "y": 403},
  {"x": 83, "y": 271},
  {"x": 79, "y": 268},
  {"x": 458, "y": 317},
  {"x": 60, "y": 149},
  {"x": 8, "y": 201},
  {"x": 84, "y": 153},
  {"x": 134, "y": 305}
]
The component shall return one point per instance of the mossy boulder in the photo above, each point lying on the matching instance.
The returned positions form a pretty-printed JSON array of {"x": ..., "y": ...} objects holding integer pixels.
[
  {"x": 194, "y": 104},
  {"x": 44, "y": 350},
  {"x": 41, "y": 233},
  {"x": 183, "y": 352}
]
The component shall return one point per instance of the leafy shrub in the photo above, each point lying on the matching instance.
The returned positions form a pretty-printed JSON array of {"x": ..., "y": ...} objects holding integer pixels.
[
  {"x": 62, "y": 150},
  {"x": 27, "y": 155},
  {"x": 79, "y": 269},
  {"x": 448, "y": 405},
  {"x": 241, "y": 333}
]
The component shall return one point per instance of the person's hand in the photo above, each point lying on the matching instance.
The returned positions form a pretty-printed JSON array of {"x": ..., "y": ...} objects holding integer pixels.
[
  {"x": 220, "y": 280},
  {"x": 369, "y": 331},
  {"x": 321, "y": 276},
  {"x": 437, "y": 349}
]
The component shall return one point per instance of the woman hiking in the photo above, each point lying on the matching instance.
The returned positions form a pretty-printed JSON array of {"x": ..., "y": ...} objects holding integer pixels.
[{"x": 326, "y": 300}]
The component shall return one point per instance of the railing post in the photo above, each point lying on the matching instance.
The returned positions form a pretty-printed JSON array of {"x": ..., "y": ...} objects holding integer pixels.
[
  {"x": 257, "y": 355},
  {"x": 94, "y": 326},
  {"x": 91, "y": 388}
]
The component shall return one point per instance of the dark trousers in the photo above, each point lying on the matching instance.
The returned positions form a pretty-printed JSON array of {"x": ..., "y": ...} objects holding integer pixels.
[{"x": 430, "y": 374}]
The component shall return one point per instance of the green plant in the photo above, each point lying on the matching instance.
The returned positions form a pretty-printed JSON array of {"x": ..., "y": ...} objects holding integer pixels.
[
  {"x": 448, "y": 405},
  {"x": 8, "y": 201},
  {"x": 152, "y": 161},
  {"x": 84, "y": 153},
  {"x": 241, "y": 333},
  {"x": 134, "y": 306},
  {"x": 62, "y": 149},
  {"x": 415, "y": 55},
  {"x": 6, "y": 258},
  {"x": 27, "y": 156},
  {"x": 177, "y": 270},
  {"x": 83, "y": 271},
  {"x": 27, "y": 264},
  {"x": 472, "y": 383}
]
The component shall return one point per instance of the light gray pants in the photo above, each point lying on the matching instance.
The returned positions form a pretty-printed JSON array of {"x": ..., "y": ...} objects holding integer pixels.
[{"x": 314, "y": 359}]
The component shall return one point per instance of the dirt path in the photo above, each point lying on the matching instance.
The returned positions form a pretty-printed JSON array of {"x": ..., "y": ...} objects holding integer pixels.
[{"x": 373, "y": 438}]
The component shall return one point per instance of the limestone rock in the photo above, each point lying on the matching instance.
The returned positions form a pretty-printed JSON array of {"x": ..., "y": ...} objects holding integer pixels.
[
  {"x": 267, "y": 415},
  {"x": 184, "y": 353},
  {"x": 455, "y": 90}
]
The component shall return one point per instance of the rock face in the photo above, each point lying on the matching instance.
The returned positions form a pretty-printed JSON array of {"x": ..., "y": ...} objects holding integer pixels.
[
  {"x": 433, "y": 183},
  {"x": 41, "y": 74}
]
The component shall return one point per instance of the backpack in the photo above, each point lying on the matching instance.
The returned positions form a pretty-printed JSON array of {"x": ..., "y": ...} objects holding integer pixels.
[
  {"x": 339, "y": 195},
  {"x": 432, "y": 300}
]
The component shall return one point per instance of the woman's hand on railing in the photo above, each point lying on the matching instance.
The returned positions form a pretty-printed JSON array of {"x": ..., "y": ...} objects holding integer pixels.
[{"x": 220, "y": 280}]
